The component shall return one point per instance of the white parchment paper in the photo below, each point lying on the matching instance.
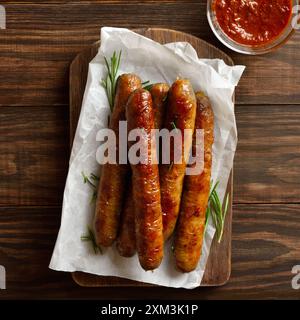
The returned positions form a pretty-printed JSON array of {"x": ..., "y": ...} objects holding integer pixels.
[{"x": 156, "y": 63}]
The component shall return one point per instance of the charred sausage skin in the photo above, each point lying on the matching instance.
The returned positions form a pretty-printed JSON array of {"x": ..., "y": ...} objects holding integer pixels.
[
  {"x": 112, "y": 185},
  {"x": 126, "y": 242},
  {"x": 180, "y": 114},
  {"x": 159, "y": 94},
  {"x": 145, "y": 181},
  {"x": 191, "y": 223}
]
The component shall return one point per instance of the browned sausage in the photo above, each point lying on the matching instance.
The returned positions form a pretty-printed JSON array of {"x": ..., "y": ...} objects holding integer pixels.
[
  {"x": 113, "y": 176},
  {"x": 191, "y": 223},
  {"x": 145, "y": 181},
  {"x": 181, "y": 114},
  {"x": 126, "y": 239},
  {"x": 159, "y": 93}
]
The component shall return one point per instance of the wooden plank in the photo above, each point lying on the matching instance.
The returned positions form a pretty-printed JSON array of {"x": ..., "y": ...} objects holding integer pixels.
[
  {"x": 67, "y": 15},
  {"x": 77, "y": 81},
  {"x": 267, "y": 162},
  {"x": 273, "y": 78},
  {"x": 35, "y": 66},
  {"x": 219, "y": 262},
  {"x": 43, "y": 38},
  {"x": 33, "y": 155},
  {"x": 265, "y": 248}
]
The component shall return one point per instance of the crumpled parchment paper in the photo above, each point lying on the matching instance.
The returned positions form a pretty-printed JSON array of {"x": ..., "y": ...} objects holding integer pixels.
[{"x": 156, "y": 63}]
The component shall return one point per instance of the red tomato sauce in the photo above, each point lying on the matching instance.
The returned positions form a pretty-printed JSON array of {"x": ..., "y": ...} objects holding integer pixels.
[{"x": 253, "y": 22}]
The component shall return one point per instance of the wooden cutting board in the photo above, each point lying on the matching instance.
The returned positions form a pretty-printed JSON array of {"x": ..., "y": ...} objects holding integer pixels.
[{"x": 219, "y": 263}]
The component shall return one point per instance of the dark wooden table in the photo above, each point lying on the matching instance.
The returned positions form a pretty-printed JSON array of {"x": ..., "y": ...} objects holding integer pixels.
[{"x": 41, "y": 39}]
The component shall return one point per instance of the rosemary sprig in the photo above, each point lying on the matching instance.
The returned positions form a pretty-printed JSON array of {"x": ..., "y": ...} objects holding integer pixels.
[
  {"x": 216, "y": 212},
  {"x": 94, "y": 177},
  {"x": 173, "y": 125},
  {"x": 87, "y": 180},
  {"x": 94, "y": 197},
  {"x": 110, "y": 83},
  {"x": 147, "y": 85},
  {"x": 91, "y": 180},
  {"x": 90, "y": 237}
]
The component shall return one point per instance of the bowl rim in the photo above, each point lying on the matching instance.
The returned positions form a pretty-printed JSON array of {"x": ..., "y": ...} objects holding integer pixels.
[{"x": 248, "y": 49}]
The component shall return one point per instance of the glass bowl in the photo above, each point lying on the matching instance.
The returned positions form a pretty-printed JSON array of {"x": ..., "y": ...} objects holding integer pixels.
[{"x": 249, "y": 49}]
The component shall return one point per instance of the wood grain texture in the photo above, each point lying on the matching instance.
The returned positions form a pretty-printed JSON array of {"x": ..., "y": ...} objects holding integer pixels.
[
  {"x": 35, "y": 66},
  {"x": 33, "y": 155},
  {"x": 265, "y": 248},
  {"x": 267, "y": 161},
  {"x": 77, "y": 81},
  {"x": 33, "y": 165},
  {"x": 42, "y": 38},
  {"x": 219, "y": 262}
]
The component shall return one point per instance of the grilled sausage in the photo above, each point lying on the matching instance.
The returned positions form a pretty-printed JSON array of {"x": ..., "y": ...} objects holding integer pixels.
[
  {"x": 145, "y": 181},
  {"x": 181, "y": 114},
  {"x": 159, "y": 93},
  {"x": 191, "y": 223},
  {"x": 126, "y": 239},
  {"x": 113, "y": 176}
]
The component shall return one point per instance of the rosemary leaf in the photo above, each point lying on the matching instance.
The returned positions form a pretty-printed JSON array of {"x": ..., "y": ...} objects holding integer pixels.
[
  {"x": 226, "y": 206},
  {"x": 173, "y": 125},
  {"x": 214, "y": 219},
  {"x": 119, "y": 60},
  {"x": 216, "y": 212},
  {"x": 93, "y": 197},
  {"x": 214, "y": 203},
  {"x": 94, "y": 177},
  {"x": 208, "y": 214},
  {"x": 87, "y": 180},
  {"x": 104, "y": 83},
  {"x": 214, "y": 188},
  {"x": 110, "y": 83},
  {"x": 217, "y": 200},
  {"x": 148, "y": 87},
  {"x": 90, "y": 237}
]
